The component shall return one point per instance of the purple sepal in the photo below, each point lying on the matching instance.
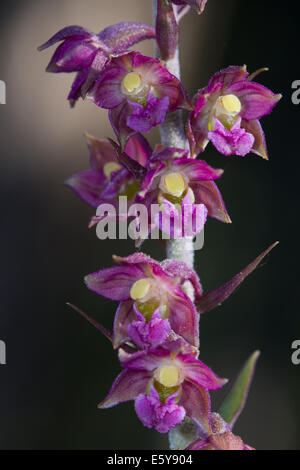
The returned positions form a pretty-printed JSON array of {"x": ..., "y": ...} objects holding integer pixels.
[
  {"x": 127, "y": 386},
  {"x": 196, "y": 402},
  {"x": 155, "y": 414},
  {"x": 259, "y": 147},
  {"x": 208, "y": 193},
  {"x": 256, "y": 100},
  {"x": 115, "y": 282}
]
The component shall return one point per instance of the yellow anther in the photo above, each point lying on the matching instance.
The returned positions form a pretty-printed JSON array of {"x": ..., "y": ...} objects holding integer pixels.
[
  {"x": 139, "y": 289},
  {"x": 168, "y": 376},
  {"x": 191, "y": 196},
  {"x": 174, "y": 184},
  {"x": 231, "y": 104},
  {"x": 110, "y": 167},
  {"x": 132, "y": 81}
]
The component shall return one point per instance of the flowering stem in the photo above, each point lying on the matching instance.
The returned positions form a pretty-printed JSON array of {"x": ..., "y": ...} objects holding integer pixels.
[
  {"x": 173, "y": 135},
  {"x": 172, "y": 129}
]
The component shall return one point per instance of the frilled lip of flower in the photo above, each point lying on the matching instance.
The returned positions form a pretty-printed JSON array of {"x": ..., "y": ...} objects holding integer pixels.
[
  {"x": 84, "y": 52},
  {"x": 184, "y": 221},
  {"x": 235, "y": 141},
  {"x": 255, "y": 99},
  {"x": 195, "y": 379},
  {"x": 155, "y": 414},
  {"x": 116, "y": 282},
  {"x": 93, "y": 185},
  {"x": 150, "y": 334}
]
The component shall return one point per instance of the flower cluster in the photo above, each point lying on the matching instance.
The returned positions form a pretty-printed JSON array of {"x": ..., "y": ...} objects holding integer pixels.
[{"x": 156, "y": 325}]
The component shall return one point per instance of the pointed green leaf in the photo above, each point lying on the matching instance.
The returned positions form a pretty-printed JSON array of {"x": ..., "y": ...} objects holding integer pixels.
[{"x": 234, "y": 403}]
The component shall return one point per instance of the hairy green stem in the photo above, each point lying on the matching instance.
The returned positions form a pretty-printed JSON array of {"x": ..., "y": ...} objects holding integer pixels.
[{"x": 173, "y": 135}]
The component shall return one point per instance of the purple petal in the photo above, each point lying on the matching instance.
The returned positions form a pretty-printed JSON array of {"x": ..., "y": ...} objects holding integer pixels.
[
  {"x": 114, "y": 283},
  {"x": 71, "y": 56},
  {"x": 228, "y": 76},
  {"x": 199, "y": 373},
  {"x": 256, "y": 100},
  {"x": 196, "y": 170},
  {"x": 214, "y": 298},
  {"x": 207, "y": 193},
  {"x": 181, "y": 270},
  {"x": 107, "y": 92},
  {"x": 127, "y": 386},
  {"x": 122, "y": 36},
  {"x": 183, "y": 316},
  {"x": 144, "y": 360},
  {"x": 154, "y": 414},
  {"x": 139, "y": 258}
]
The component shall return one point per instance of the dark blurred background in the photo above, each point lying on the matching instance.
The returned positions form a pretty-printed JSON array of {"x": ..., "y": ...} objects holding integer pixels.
[{"x": 58, "y": 366}]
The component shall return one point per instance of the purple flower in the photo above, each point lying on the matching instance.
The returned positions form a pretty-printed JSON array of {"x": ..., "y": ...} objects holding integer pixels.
[
  {"x": 86, "y": 53},
  {"x": 220, "y": 438},
  {"x": 143, "y": 286},
  {"x": 184, "y": 190},
  {"x": 227, "y": 113},
  {"x": 166, "y": 383},
  {"x": 199, "y": 5},
  {"x": 108, "y": 179},
  {"x": 138, "y": 91}
]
